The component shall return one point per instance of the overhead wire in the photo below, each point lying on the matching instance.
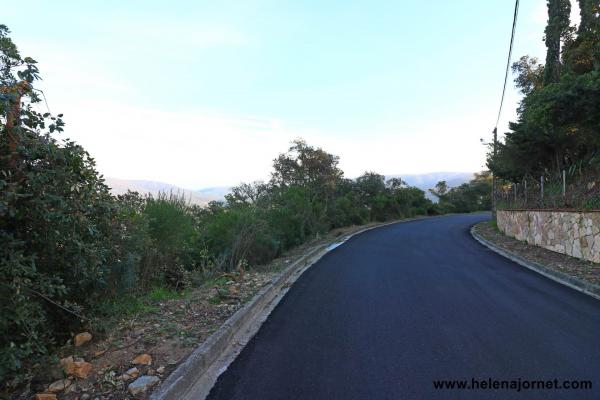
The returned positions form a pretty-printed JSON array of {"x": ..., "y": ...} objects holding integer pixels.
[{"x": 510, "y": 49}]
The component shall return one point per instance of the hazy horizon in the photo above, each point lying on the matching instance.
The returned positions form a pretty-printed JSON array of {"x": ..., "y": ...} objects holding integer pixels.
[
  {"x": 230, "y": 185},
  {"x": 213, "y": 94}
]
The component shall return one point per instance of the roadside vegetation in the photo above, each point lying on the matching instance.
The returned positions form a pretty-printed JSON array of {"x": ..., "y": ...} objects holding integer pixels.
[
  {"x": 74, "y": 256},
  {"x": 558, "y": 120},
  {"x": 468, "y": 197}
]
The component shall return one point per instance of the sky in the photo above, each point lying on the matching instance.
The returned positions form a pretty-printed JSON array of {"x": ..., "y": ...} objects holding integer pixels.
[{"x": 207, "y": 93}]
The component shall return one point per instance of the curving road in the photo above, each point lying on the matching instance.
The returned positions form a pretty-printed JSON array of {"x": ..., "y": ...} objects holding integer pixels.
[{"x": 395, "y": 308}]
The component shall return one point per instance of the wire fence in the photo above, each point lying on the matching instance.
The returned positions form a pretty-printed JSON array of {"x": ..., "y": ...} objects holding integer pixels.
[{"x": 573, "y": 189}]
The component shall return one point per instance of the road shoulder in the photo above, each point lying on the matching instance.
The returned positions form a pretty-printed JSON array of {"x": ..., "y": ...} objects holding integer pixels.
[
  {"x": 197, "y": 374},
  {"x": 583, "y": 276}
]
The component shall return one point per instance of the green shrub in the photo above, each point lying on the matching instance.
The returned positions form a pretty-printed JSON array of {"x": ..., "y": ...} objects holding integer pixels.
[
  {"x": 173, "y": 236},
  {"x": 57, "y": 237},
  {"x": 57, "y": 222},
  {"x": 72, "y": 254}
]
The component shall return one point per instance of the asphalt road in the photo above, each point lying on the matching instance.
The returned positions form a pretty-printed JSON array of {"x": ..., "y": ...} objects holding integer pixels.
[{"x": 395, "y": 308}]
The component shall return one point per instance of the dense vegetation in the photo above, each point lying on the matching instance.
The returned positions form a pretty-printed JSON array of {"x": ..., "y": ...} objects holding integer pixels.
[
  {"x": 69, "y": 247},
  {"x": 474, "y": 195},
  {"x": 558, "y": 126}
]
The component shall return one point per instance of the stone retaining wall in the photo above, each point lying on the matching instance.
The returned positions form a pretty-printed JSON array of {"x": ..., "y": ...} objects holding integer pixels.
[{"x": 574, "y": 233}]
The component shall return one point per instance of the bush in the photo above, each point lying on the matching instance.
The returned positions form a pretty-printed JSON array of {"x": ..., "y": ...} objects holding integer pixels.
[
  {"x": 174, "y": 238},
  {"x": 240, "y": 233},
  {"x": 57, "y": 238},
  {"x": 72, "y": 252}
]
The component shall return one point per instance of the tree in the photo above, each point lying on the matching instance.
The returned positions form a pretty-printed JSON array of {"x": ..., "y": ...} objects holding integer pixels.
[
  {"x": 474, "y": 195},
  {"x": 440, "y": 190},
  {"x": 529, "y": 74},
  {"x": 556, "y": 30},
  {"x": 246, "y": 193},
  {"x": 306, "y": 166},
  {"x": 58, "y": 221},
  {"x": 313, "y": 176},
  {"x": 558, "y": 122},
  {"x": 588, "y": 10}
]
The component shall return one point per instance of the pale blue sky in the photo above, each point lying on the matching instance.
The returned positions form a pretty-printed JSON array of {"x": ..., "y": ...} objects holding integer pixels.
[{"x": 200, "y": 93}]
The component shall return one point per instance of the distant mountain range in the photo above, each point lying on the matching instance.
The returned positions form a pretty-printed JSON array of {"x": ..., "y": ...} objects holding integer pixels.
[
  {"x": 121, "y": 186},
  {"x": 428, "y": 181},
  {"x": 203, "y": 196}
]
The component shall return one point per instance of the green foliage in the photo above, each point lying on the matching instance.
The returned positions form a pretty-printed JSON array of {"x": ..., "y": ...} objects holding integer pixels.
[
  {"x": 173, "y": 237},
  {"x": 161, "y": 293},
  {"x": 72, "y": 254},
  {"x": 557, "y": 29},
  {"x": 57, "y": 221},
  {"x": 588, "y": 10},
  {"x": 239, "y": 234},
  {"x": 468, "y": 197},
  {"x": 558, "y": 122}
]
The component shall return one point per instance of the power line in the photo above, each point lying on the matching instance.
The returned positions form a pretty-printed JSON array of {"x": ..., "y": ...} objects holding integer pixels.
[
  {"x": 512, "y": 39},
  {"x": 510, "y": 48}
]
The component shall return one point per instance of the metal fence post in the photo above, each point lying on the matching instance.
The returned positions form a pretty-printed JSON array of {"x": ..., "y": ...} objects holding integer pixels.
[
  {"x": 525, "y": 191},
  {"x": 564, "y": 183},
  {"x": 542, "y": 190}
]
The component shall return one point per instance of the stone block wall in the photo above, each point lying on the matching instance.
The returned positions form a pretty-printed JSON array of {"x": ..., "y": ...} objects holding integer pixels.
[{"x": 574, "y": 233}]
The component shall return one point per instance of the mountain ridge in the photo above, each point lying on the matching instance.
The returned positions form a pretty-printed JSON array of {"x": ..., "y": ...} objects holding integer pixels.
[{"x": 203, "y": 196}]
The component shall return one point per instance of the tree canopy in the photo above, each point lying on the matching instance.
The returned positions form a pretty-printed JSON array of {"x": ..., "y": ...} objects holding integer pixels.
[{"x": 558, "y": 121}]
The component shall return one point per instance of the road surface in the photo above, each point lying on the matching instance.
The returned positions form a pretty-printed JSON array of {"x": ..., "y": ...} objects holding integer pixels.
[{"x": 395, "y": 308}]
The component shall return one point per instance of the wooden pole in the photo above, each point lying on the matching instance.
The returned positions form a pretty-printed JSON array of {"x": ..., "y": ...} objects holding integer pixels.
[{"x": 494, "y": 176}]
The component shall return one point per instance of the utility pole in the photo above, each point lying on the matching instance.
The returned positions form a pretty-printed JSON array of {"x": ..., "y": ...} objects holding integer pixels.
[
  {"x": 510, "y": 49},
  {"x": 494, "y": 175}
]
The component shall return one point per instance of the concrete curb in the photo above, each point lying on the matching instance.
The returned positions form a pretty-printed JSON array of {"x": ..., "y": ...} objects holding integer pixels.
[
  {"x": 574, "y": 283},
  {"x": 195, "y": 377}
]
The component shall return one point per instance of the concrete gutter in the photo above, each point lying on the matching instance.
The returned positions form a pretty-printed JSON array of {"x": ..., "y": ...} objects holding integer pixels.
[
  {"x": 195, "y": 377},
  {"x": 580, "y": 285}
]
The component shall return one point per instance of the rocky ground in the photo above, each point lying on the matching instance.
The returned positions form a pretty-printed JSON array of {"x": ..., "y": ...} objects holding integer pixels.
[
  {"x": 141, "y": 349},
  {"x": 581, "y": 269}
]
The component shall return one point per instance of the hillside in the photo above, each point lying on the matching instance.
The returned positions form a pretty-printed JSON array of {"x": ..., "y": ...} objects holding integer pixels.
[
  {"x": 429, "y": 180},
  {"x": 204, "y": 195},
  {"x": 120, "y": 186}
]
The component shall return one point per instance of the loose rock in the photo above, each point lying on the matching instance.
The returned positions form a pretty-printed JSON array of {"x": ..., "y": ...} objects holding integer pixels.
[
  {"x": 82, "y": 338},
  {"x": 130, "y": 374},
  {"x": 59, "y": 385},
  {"x": 68, "y": 365},
  {"x": 141, "y": 384},
  {"x": 45, "y": 396},
  {"x": 142, "y": 359},
  {"x": 82, "y": 369}
]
